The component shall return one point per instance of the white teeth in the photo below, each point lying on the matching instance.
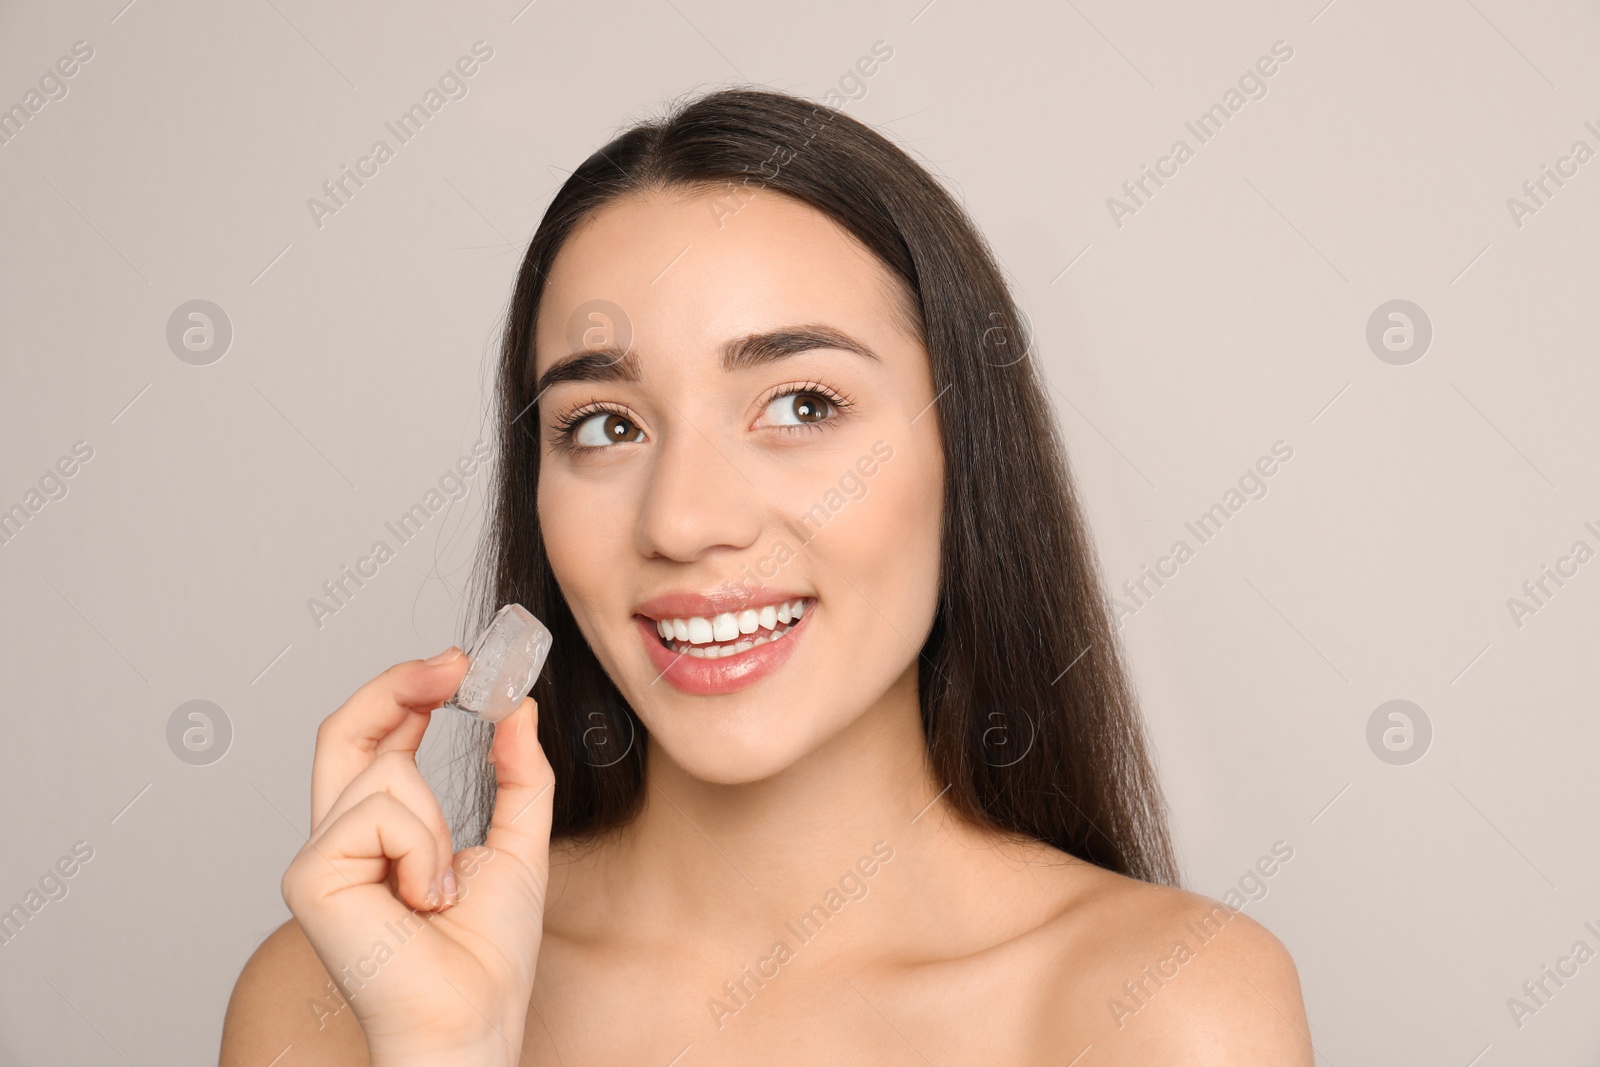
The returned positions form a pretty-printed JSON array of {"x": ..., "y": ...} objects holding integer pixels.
[
  {"x": 719, "y": 634},
  {"x": 718, "y": 651}
]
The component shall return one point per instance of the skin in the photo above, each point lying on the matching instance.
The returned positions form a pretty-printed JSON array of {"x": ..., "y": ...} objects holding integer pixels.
[{"x": 949, "y": 943}]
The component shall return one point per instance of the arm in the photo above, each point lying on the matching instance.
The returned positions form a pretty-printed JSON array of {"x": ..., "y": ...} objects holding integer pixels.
[
  {"x": 284, "y": 1001},
  {"x": 1236, "y": 1003}
]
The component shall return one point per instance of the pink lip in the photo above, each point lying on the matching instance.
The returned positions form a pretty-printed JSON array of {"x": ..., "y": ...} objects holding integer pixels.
[
  {"x": 681, "y": 604},
  {"x": 725, "y": 674}
]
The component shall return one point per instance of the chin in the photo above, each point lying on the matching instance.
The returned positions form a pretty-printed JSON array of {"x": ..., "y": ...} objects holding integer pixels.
[
  {"x": 734, "y": 743},
  {"x": 744, "y": 738}
]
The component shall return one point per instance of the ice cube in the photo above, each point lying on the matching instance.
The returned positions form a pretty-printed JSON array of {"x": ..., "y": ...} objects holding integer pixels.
[{"x": 505, "y": 661}]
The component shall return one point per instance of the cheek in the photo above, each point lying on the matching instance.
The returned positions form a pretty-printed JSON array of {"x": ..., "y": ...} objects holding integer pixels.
[
  {"x": 581, "y": 549},
  {"x": 887, "y": 544}
]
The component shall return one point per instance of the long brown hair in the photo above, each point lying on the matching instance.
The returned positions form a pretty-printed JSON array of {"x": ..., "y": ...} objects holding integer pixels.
[{"x": 1028, "y": 712}]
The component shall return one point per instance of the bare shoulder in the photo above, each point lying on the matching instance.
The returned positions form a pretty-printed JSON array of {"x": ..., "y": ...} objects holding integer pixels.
[
  {"x": 285, "y": 1001},
  {"x": 1154, "y": 973}
]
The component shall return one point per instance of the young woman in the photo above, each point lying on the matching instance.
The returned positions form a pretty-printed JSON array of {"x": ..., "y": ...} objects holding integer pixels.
[{"x": 834, "y": 760}]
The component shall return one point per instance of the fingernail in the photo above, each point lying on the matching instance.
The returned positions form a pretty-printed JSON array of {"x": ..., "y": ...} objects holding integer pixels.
[
  {"x": 444, "y": 657},
  {"x": 450, "y": 885},
  {"x": 432, "y": 899}
]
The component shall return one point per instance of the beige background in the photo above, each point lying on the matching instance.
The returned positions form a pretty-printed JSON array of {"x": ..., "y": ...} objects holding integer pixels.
[{"x": 1228, "y": 313}]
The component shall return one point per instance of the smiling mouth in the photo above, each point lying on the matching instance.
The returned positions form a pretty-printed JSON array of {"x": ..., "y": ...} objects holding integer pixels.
[{"x": 731, "y": 632}]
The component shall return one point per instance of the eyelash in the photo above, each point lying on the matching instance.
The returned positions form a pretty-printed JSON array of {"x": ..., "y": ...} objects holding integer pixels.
[
  {"x": 566, "y": 428},
  {"x": 840, "y": 403}
]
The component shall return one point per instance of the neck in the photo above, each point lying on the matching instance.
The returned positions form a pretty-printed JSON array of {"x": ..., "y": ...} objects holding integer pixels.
[
  {"x": 861, "y": 786},
  {"x": 733, "y": 865}
]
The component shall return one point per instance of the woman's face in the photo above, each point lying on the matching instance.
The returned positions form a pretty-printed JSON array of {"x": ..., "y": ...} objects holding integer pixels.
[{"x": 735, "y": 421}]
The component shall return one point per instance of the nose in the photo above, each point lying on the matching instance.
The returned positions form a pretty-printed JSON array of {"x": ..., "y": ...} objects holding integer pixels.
[{"x": 697, "y": 503}]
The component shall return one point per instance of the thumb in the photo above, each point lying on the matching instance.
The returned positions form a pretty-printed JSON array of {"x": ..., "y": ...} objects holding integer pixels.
[{"x": 519, "y": 827}]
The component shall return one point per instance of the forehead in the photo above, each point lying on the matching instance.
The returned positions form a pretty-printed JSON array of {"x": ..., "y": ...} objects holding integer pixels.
[{"x": 690, "y": 268}]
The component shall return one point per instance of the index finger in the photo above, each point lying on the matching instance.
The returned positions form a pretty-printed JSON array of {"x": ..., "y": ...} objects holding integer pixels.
[{"x": 391, "y": 711}]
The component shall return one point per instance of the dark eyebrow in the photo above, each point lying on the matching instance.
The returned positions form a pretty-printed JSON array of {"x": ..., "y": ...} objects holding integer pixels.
[
  {"x": 611, "y": 364},
  {"x": 606, "y": 364},
  {"x": 755, "y": 349}
]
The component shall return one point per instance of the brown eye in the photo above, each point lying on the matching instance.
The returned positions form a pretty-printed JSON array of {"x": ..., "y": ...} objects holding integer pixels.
[
  {"x": 811, "y": 408},
  {"x": 799, "y": 409},
  {"x": 605, "y": 428}
]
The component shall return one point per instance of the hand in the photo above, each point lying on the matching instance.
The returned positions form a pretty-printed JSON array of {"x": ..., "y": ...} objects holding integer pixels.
[{"x": 434, "y": 952}]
